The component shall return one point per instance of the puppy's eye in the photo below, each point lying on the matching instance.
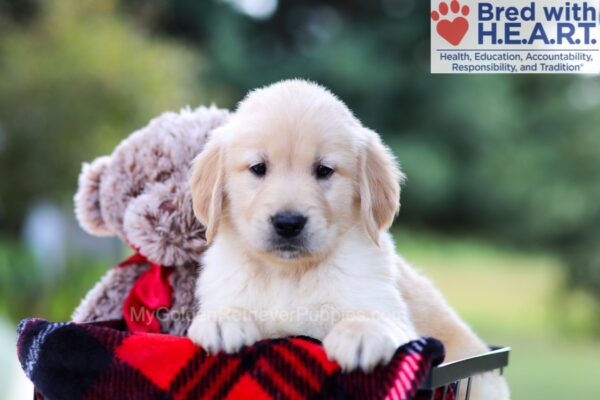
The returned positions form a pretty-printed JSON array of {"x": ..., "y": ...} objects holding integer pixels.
[
  {"x": 259, "y": 169},
  {"x": 323, "y": 171}
]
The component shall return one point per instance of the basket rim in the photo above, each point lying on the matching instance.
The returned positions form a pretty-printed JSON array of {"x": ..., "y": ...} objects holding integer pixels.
[{"x": 446, "y": 373}]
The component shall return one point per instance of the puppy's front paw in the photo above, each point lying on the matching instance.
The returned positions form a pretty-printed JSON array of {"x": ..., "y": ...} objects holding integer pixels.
[
  {"x": 223, "y": 332},
  {"x": 362, "y": 344}
]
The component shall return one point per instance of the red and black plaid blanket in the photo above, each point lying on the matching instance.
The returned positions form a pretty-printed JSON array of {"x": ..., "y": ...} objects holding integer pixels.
[{"x": 86, "y": 361}]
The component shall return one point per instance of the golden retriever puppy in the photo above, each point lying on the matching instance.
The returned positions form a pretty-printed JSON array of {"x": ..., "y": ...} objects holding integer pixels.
[{"x": 297, "y": 196}]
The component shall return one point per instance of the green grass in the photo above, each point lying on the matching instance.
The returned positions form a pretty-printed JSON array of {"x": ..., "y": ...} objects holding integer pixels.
[{"x": 514, "y": 298}]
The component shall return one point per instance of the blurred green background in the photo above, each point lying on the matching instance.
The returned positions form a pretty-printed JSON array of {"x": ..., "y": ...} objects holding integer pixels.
[{"x": 502, "y": 203}]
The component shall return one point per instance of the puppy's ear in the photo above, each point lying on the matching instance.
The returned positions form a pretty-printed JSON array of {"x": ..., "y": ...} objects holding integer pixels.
[
  {"x": 379, "y": 186},
  {"x": 206, "y": 183}
]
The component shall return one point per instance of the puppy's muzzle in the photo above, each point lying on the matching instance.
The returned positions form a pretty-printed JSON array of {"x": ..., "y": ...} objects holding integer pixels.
[{"x": 288, "y": 224}]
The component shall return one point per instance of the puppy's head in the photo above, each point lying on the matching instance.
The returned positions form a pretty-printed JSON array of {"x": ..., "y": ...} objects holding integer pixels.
[{"x": 291, "y": 172}]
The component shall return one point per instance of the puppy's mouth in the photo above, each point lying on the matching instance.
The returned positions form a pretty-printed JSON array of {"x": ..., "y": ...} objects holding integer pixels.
[{"x": 288, "y": 249}]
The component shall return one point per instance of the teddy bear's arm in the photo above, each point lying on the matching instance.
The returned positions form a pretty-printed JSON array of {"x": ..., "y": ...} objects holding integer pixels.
[
  {"x": 105, "y": 300},
  {"x": 178, "y": 318}
]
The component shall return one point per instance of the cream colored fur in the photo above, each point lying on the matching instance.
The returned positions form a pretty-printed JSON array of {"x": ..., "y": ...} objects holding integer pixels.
[{"x": 343, "y": 283}]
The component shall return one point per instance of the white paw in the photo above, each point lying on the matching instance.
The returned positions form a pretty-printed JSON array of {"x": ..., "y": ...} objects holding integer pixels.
[
  {"x": 362, "y": 344},
  {"x": 225, "y": 333}
]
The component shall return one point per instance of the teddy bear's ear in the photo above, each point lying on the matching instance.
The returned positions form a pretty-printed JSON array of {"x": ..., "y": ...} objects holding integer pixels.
[{"x": 87, "y": 198}]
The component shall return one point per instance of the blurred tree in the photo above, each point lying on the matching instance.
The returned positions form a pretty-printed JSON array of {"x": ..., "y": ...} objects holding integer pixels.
[
  {"x": 21, "y": 11},
  {"x": 71, "y": 86},
  {"x": 515, "y": 157}
]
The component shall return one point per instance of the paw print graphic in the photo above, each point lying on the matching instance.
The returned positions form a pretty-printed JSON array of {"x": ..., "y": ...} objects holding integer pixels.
[{"x": 452, "y": 30}]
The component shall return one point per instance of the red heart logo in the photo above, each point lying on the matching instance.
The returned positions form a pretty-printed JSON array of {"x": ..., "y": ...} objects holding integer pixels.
[{"x": 453, "y": 31}]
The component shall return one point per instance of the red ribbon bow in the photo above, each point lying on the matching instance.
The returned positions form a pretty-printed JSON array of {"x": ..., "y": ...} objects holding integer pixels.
[{"x": 150, "y": 293}]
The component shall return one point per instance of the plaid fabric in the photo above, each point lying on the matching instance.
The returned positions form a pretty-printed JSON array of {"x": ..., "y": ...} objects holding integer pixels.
[{"x": 87, "y": 361}]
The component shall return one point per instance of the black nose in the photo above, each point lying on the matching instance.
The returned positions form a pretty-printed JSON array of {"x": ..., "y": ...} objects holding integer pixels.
[{"x": 288, "y": 224}]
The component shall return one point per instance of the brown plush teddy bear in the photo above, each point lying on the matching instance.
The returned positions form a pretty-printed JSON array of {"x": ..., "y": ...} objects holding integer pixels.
[{"x": 140, "y": 194}]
